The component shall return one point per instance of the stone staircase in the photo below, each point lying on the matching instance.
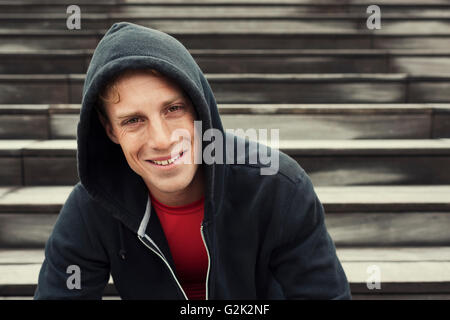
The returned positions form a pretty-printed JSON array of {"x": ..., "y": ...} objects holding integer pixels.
[{"x": 366, "y": 113}]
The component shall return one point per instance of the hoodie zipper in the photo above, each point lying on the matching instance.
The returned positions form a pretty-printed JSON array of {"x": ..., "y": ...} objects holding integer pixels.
[
  {"x": 209, "y": 262},
  {"x": 168, "y": 266}
]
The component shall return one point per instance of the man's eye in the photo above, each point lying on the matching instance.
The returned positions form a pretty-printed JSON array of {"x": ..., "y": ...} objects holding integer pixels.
[
  {"x": 132, "y": 121},
  {"x": 174, "y": 108}
]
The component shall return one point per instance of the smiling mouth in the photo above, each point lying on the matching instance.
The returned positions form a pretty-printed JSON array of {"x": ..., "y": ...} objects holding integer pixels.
[{"x": 168, "y": 161}]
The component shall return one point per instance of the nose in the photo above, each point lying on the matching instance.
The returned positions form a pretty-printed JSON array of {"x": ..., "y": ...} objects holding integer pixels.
[{"x": 159, "y": 135}]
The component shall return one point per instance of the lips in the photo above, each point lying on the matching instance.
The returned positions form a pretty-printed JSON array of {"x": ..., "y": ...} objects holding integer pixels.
[{"x": 167, "y": 161}]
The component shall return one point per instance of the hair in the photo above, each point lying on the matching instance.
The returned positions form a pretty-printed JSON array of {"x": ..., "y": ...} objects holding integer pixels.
[{"x": 110, "y": 92}]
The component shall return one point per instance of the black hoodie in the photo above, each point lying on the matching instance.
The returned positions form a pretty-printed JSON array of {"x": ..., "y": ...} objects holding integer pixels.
[{"x": 265, "y": 233}]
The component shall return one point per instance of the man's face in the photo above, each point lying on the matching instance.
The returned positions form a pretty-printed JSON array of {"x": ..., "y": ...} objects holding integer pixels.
[{"x": 150, "y": 109}]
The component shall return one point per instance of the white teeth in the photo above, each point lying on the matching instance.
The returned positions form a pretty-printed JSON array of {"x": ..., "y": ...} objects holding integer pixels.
[{"x": 166, "y": 162}]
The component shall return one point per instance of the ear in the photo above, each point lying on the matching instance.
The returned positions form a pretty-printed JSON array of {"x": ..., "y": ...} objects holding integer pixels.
[{"x": 108, "y": 128}]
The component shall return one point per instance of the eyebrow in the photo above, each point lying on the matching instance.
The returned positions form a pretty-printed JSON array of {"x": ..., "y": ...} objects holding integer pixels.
[{"x": 164, "y": 104}]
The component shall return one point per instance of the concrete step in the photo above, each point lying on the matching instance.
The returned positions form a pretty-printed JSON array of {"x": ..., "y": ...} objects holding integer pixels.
[
  {"x": 210, "y": 8},
  {"x": 405, "y": 272},
  {"x": 336, "y": 200},
  {"x": 255, "y": 88},
  {"x": 31, "y": 39},
  {"x": 294, "y": 121},
  {"x": 228, "y": 23},
  {"x": 328, "y": 162},
  {"x": 355, "y": 216},
  {"x": 234, "y": 2},
  {"x": 214, "y": 13},
  {"x": 227, "y": 10},
  {"x": 415, "y": 62}
]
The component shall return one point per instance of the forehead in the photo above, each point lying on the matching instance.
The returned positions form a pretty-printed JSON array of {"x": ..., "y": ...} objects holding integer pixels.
[
  {"x": 140, "y": 90},
  {"x": 138, "y": 82}
]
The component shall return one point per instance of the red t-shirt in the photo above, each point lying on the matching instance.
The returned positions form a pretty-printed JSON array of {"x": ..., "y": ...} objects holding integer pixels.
[{"x": 181, "y": 226}]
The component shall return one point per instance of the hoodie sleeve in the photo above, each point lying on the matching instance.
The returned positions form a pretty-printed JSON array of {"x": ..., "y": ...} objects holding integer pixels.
[
  {"x": 75, "y": 266},
  {"x": 305, "y": 261}
]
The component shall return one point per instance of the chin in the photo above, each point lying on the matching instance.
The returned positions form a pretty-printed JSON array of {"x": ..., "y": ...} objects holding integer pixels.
[
  {"x": 171, "y": 187},
  {"x": 172, "y": 184}
]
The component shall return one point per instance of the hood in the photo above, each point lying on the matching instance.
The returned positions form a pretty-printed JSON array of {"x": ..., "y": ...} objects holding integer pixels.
[{"x": 102, "y": 167}]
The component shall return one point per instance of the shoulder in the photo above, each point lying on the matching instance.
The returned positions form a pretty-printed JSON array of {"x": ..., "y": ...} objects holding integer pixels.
[
  {"x": 80, "y": 204},
  {"x": 82, "y": 219},
  {"x": 78, "y": 199},
  {"x": 286, "y": 185},
  {"x": 259, "y": 162}
]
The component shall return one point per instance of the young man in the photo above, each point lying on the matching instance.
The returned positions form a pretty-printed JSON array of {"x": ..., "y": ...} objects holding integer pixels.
[{"x": 163, "y": 224}]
